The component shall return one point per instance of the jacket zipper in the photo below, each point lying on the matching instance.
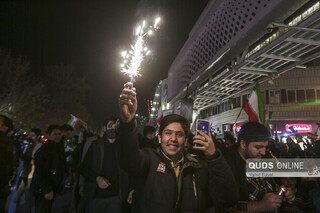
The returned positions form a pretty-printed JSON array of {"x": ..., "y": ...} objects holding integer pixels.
[{"x": 194, "y": 184}]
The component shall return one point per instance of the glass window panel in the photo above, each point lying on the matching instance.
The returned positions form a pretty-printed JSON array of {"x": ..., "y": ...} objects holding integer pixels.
[
  {"x": 277, "y": 96},
  {"x": 244, "y": 99},
  {"x": 239, "y": 101},
  {"x": 318, "y": 94},
  {"x": 301, "y": 97},
  {"x": 291, "y": 96},
  {"x": 283, "y": 96},
  {"x": 311, "y": 96},
  {"x": 272, "y": 98}
]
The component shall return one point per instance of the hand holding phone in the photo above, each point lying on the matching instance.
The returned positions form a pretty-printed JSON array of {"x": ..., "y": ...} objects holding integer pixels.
[
  {"x": 204, "y": 126},
  {"x": 203, "y": 140}
]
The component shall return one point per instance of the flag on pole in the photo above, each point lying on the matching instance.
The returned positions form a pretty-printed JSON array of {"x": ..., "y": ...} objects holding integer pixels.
[
  {"x": 254, "y": 107},
  {"x": 73, "y": 121}
]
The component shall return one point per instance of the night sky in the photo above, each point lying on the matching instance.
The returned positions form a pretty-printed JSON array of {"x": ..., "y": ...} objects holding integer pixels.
[{"x": 90, "y": 35}]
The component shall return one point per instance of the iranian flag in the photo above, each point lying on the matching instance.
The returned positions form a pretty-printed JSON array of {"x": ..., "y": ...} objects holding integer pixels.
[
  {"x": 254, "y": 106},
  {"x": 73, "y": 121}
]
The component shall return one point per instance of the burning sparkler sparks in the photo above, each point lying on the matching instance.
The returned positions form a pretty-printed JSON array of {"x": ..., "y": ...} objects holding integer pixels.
[{"x": 132, "y": 59}]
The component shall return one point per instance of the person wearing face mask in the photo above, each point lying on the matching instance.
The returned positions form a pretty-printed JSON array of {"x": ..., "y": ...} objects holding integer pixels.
[{"x": 101, "y": 172}]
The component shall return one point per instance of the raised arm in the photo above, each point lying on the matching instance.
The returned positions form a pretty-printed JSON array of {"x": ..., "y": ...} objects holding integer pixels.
[{"x": 132, "y": 159}]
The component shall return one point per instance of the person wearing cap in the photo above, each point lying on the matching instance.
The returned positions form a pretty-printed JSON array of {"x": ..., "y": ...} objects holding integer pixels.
[
  {"x": 256, "y": 194},
  {"x": 168, "y": 178}
]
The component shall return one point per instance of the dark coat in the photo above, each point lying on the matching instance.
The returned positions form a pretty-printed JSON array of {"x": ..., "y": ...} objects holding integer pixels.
[
  {"x": 202, "y": 182},
  {"x": 49, "y": 170},
  {"x": 6, "y": 164},
  {"x": 91, "y": 168},
  {"x": 238, "y": 167}
]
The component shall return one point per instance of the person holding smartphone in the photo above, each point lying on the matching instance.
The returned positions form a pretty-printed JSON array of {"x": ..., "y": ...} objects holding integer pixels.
[{"x": 169, "y": 179}]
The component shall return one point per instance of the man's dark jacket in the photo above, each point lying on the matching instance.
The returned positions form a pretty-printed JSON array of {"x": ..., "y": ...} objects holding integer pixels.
[
  {"x": 202, "y": 183},
  {"x": 91, "y": 168},
  {"x": 6, "y": 164},
  {"x": 49, "y": 170}
]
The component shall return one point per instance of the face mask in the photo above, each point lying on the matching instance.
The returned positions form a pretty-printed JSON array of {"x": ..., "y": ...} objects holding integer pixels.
[{"x": 111, "y": 133}]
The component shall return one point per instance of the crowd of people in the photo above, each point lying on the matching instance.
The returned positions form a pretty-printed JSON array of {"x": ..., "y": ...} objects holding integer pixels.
[{"x": 121, "y": 170}]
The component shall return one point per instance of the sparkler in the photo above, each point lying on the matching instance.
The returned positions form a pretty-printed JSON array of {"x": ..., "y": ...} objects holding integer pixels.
[{"x": 132, "y": 58}]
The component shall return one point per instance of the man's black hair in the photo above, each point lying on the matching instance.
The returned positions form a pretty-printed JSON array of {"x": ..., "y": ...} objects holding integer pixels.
[
  {"x": 52, "y": 127},
  {"x": 174, "y": 118},
  {"x": 36, "y": 131},
  {"x": 253, "y": 132},
  {"x": 229, "y": 137},
  {"x": 148, "y": 129},
  {"x": 111, "y": 118},
  {"x": 66, "y": 127},
  {"x": 7, "y": 122}
]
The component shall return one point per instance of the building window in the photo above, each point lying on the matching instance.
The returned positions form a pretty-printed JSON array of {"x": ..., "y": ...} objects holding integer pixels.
[
  {"x": 283, "y": 96},
  {"x": 274, "y": 97},
  {"x": 214, "y": 110},
  {"x": 234, "y": 103},
  {"x": 238, "y": 101},
  {"x": 301, "y": 96},
  {"x": 267, "y": 97},
  {"x": 244, "y": 99},
  {"x": 291, "y": 96},
  {"x": 277, "y": 96},
  {"x": 263, "y": 95},
  {"x": 271, "y": 97},
  {"x": 311, "y": 96},
  {"x": 318, "y": 94}
]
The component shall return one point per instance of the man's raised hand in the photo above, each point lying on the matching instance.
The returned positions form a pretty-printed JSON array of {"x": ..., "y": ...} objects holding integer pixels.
[{"x": 128, "y": 103}]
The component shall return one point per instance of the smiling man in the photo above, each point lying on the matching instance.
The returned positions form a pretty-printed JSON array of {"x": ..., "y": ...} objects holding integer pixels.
[{"x": 169, "y": 179}]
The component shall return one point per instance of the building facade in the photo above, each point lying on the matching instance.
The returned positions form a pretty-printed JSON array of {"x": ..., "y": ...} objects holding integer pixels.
[{"x": 236, "y": 44}]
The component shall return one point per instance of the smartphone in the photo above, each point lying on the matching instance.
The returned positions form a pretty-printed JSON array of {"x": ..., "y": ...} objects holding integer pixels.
[{"x": 204, "y": 126}]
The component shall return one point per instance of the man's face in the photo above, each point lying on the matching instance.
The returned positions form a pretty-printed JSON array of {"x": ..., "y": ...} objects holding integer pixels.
[
  {"x": 173, "y": 140},
  {"x": 33, "y": 137},
  {"x": 55, "y": 136},
  {"x": 3, "y": 128},
  {"x": 151, "y": 135},
  {"x": 254, "y": 149}
]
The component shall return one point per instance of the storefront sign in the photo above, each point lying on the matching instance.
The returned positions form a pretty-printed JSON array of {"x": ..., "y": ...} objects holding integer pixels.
[{"x": 300, "y": 128}]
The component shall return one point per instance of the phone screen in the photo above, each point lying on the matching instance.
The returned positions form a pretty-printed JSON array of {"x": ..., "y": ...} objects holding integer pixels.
[{"x": 203, "y": 125}]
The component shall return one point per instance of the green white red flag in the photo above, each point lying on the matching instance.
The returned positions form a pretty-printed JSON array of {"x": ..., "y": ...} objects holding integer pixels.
[
  {"x": 73, "y": 121},
  {"x": 254, "y": 107}
]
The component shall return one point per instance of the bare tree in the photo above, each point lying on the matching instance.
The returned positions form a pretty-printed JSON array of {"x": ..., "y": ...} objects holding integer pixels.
[
  {"x": 21, "y": 92},
  {"x": 34, "y": 100}
]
